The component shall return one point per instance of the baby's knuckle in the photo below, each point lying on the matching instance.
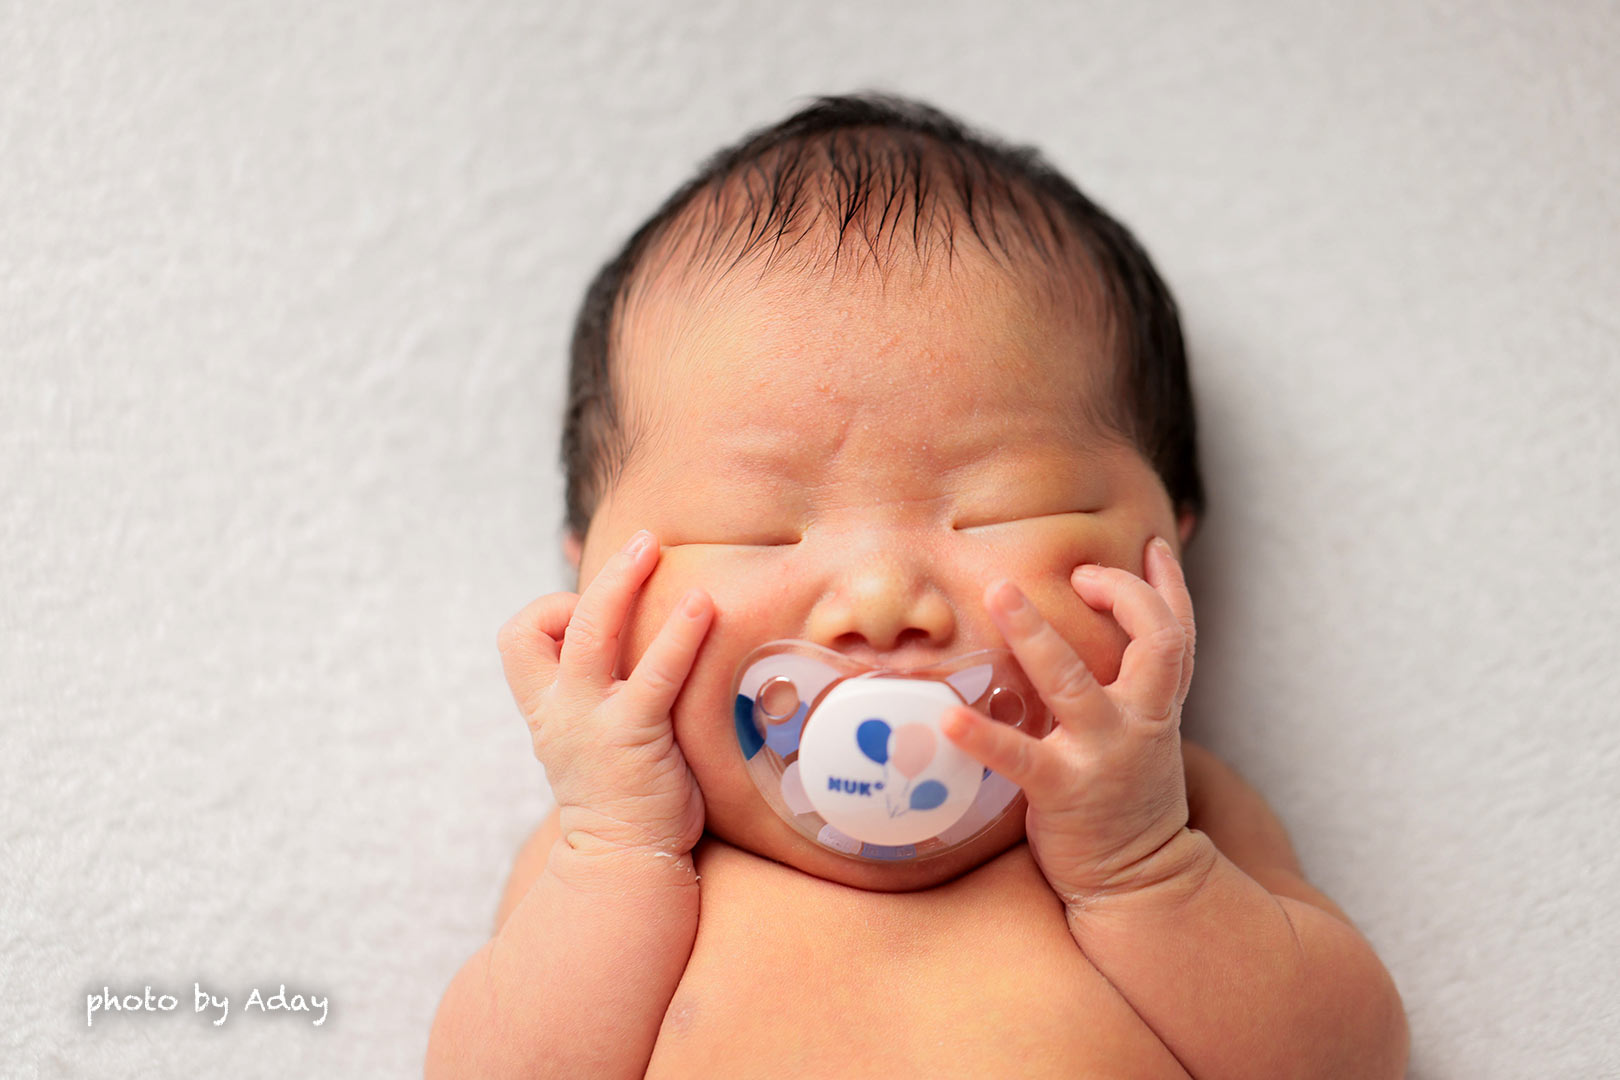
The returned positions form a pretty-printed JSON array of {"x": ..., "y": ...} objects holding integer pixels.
[
  {"x": 1156, "y": 723},
  {"x": 544, "y": 708},
  {"x": 656, "y": 679},
  {"x": 1074, "y": 681},
  {"x": 552, "y": 733},
  {"x": 509, "y": 638},
  {"x": 1018, "y": 764},
  {"x": 543, "y": 735},
  {"x": 1169, "y": 641},
  {"x": 583, "y": 634}
]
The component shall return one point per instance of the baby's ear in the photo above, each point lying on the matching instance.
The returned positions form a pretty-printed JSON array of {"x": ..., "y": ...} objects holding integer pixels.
[
  {"x": 572, "y": 548},
  {"x": 1186, "y": 525}
]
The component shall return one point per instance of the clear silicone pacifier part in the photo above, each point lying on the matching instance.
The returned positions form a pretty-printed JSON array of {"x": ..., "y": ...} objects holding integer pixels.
[{"x": 853, "y": 757}]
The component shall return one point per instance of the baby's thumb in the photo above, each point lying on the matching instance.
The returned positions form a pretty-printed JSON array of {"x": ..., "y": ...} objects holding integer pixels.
[{"x": 530, "y": 643}]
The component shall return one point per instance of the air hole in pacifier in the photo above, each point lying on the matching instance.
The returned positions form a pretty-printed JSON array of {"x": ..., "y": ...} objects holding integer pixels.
[
  {"x": 778, "y": 699},
  {"x": 1005, "y": 706}
]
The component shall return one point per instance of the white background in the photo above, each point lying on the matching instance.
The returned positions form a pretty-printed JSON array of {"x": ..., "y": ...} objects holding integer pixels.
[{"x": 285, "y": 292}]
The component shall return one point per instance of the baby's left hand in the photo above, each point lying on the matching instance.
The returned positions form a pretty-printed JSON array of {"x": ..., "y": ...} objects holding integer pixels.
[{"x": 1106, "y": 786}]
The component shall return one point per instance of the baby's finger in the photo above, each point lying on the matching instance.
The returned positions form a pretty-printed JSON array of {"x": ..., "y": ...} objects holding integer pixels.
[
  {"x": 652, "y": 687},
  {"x": 1150, "y": 670},
  {"x": 529, "y": 643},
  {"x": 1065, "y": 684},
  {"x": 1164, "y": 574},
  {"x": 590, "y": 648},
  {"x": 1025, "y": 760}
]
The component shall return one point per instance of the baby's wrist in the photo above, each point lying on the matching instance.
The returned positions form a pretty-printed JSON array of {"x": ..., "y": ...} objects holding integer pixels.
[
  {"x": 590, "y": 866},
  {"x": 588, "y": 861},
  {"x": 1170, "y": 874},
  {"x": 594, "y": 833}
]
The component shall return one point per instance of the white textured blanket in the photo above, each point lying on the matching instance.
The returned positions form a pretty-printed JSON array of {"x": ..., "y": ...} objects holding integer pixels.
[{"x": 284, "y": 301}]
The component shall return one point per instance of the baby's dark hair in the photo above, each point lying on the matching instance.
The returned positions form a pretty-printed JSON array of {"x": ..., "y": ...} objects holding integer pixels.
[{"x": 871, "y": 159}]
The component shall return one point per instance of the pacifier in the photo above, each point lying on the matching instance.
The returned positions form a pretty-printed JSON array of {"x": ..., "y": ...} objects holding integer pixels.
[{"x": 852, "y": 756}]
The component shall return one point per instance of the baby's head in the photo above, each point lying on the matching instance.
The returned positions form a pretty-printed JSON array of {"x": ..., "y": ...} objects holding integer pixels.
[{"x": 860, "y": 366}]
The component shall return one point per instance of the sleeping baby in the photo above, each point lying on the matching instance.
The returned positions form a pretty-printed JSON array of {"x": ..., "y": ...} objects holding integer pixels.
[{"x": 864, "y": 722}]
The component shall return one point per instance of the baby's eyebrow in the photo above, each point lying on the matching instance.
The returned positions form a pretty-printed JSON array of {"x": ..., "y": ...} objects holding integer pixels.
[
  {"x": 787, "y": 465},
  {"x": 774, "y": 451},
  {"x": 733, "y": 458}
]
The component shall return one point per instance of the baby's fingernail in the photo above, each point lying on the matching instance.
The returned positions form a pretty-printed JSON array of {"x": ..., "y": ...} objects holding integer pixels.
[
  {"x": 638, "y": 543},
  {"x": 1164, "y": 547},
  {"x": 1007, "y": 597}
]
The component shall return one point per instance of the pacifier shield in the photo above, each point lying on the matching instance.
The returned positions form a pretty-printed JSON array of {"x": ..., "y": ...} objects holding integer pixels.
[
  {"x": 851, "y": 755},
  {"x": 874, "y": 764}
]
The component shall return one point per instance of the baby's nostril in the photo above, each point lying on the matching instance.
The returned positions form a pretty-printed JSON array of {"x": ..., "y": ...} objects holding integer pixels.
[
  {"x": 778, "y": 699},
  {"x": 1005, "y": 706}
]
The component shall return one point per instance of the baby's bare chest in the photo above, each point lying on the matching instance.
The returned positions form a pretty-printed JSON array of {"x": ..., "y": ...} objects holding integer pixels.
[{"x": 792, "y": 976}]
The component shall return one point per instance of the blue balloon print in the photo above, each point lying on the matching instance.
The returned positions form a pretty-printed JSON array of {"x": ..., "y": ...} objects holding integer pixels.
[
  {"x": 927, "y": 795},
  {"x": 742, "y": 713},
  {"x": 873, "y": 739}
]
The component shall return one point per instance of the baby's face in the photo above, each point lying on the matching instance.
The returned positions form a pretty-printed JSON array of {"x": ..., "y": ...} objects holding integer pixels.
[{"x": 855, "y": 472}]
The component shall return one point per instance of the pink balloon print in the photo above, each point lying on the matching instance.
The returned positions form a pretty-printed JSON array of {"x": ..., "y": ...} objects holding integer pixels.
[{"x": 912, "y": 749}]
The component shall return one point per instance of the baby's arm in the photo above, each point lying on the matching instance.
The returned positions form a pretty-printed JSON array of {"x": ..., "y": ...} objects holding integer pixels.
[
  {"x": 1240, "y": 970},
  {"x": 1241, "y": 967},
  {"x": 587, "y": 953},
  {"x": 581, "y": 969}
]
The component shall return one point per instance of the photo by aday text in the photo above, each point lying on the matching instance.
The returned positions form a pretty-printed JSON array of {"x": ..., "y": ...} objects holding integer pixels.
[{"x": 216, "y": 1007}]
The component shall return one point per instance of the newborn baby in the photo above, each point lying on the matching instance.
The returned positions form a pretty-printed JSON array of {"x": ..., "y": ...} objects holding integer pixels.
[{"x": 878, "y": 383}]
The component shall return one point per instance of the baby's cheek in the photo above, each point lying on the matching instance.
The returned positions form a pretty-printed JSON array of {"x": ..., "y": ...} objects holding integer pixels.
[
  {"x": 1042, "y": 562},
  {"x": 679, "y": 569},
  {"x": 1096, "y": 637}
]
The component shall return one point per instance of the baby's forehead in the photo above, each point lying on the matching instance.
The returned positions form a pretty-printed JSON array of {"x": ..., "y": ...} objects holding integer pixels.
[
  {"x": 926, "y": 318},
  {"x": 770, "y": 336},
  {"x": 867, "y": 378},
  {"x": 818, "y": 370}
]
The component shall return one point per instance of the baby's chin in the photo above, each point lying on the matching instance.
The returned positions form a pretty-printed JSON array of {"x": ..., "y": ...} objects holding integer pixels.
[{"x": 758, "y": 831}]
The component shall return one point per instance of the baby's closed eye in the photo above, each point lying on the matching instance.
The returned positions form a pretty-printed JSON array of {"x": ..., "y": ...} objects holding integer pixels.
[
  {"x": 968, "y": 523},
  {"x": 761, "y": 541}
]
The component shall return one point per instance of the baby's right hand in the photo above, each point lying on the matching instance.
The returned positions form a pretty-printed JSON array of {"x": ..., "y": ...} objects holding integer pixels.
[{"x": 608, "y": 745}]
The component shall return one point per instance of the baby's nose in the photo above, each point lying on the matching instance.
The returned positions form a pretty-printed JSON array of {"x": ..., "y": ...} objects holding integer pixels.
[{"x": 877, "y": 618}]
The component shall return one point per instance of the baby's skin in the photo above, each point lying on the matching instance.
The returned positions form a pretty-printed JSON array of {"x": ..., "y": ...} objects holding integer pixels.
[{"x": 896, "y": 471}]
